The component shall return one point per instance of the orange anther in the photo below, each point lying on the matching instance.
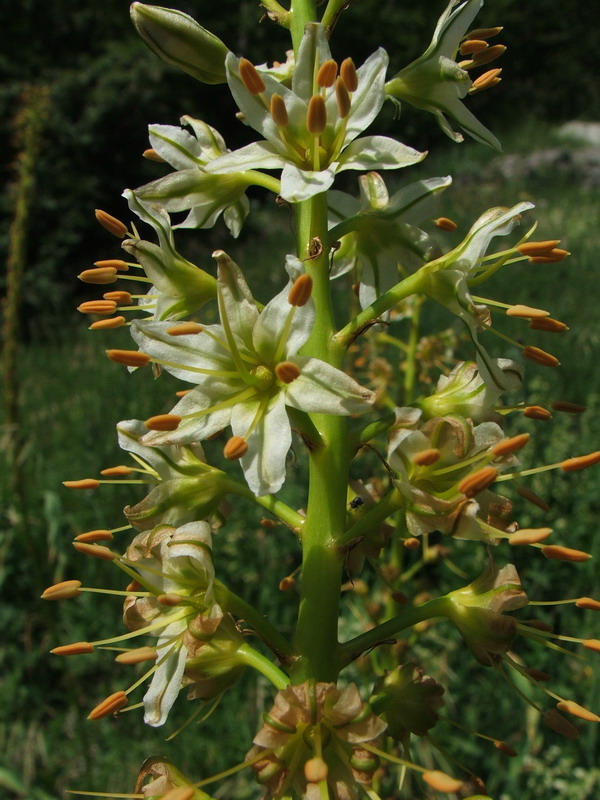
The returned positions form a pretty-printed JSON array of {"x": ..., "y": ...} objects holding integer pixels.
[
  {"x": 470, "y": 46},
  {"x": 440, "y": 781},
  {"x": 287, "y": 583},
  {"x": 504, "y": 748},
  {"x": 94, "y": 536},
  {"x": 511, "y": 445},
  {"x": 100, "y": 275},
  {"x": 538, "y": 675},
  {"x": 478, "y": 481},
  {"x": 316, "y": 116},
  {"x": 75, "y": 649},
  {"x": 592, "y": 644},
  {"x": 569, "y": 408},
  {"x": 342, "y": 97},
  {"x": 152, "y": 155},
  {"x": 327, "y": 73},
  {"x": 537, "y": 248},
  {"x": 300, "y": 291},
  {"x": 108, "y": 324},
  {"x": 580, "y": 462},
  {"x": 483, "y": 33},
  {"x": 235, "y": 448},
  {"x": 121, "y": 471},
  {"x": 560, "y": 553},
  {"x": 268, "y": 523},
  {"x": 163, "y": 422},
  {"x": 113, "y": 263},
  {"x": 536, "y": 412},
  {"x": 279, "y": 111},
  {"x": 84, "y": 483},
  {"x": 549, "y": 325},
  {"x": 348, "y": 74},
  {"x": 445, "y": 224},
  {"x": 486, "y": 80},
  {"x": 539, "y": 356},
  {"x": 137, "y": 656},
  {"x": 527, "y": 312},
  {"x": 62, "y": 591},
  {"x": 412, "y": 543},
  {"x": 588, "y": 603},
  {"x": 180, "y": 793},
  {"x": 287, "y": 371},
  {"x": 185, "y": 328},
  {"x": 169, "y": 599},
  {"x": 95, "y": 550},
  {"x": 570, "y": 707},
  {"x": 426, "y": 457},
  {"x": 130, "y": 358},
  {"x": 99, "y": 307},
  {"x": 559, "y": 724},
  {"x": 121, "y": 297},
  {"x": 110, "y": 705},
  {"x": 251, "y": 77},
  {"x": 533, "y": 498},
  {"x": 529, "y": 536},
  {"x": 111, "y": 224},
  {"x": 490, "y": 54}
]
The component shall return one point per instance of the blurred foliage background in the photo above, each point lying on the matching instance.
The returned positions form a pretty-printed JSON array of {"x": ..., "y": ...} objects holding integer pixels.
[{"x": 77, "y": 90}]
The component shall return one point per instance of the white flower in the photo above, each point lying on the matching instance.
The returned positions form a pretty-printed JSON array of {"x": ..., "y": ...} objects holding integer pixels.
[
  {"x": 311, "y": 129},
  {"x": 246, "y": 372}
]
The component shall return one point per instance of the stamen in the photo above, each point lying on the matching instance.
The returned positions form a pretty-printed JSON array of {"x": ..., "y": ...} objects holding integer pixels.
[
  {"x": 559, "y": 724},
  {"x": 533, "y": 498},
  {"x": 588, "y": 603},
  {"x": 152, "y": 155},
  {"x": 470, "y": 46},
  {"x": 550, "y": 257},
  {"x": 185, "y": 328},
  {"x": 527, "y": 312},
  {"x": 445, "y": 224},
  {"x": 95, "y": 550},
  {"x": 549, "y": 325},
  {"x": 301, "y": 290},
  {"x": 74, "y": 649},
  {"x": 412, "y": 543},
  {"x": 591, "y": 644},
  {"x": 94, "y": 536},
  {"x": 235, "y": 448},
  {"x": 123, "y": 298},
  {"x": 251, "y": 77},
  {"x": 570, "y": 707},
  {"x": 99, "y": 275},
  {"x": 539, "y": 356},
  {"x": 84, "y": 483},
  {"x": 441, "y": 782},
  {"x": 484, "y": 33},
  {"x": 287, "y": 583},
  {"x": 111, "y": 224},
  {"x": 169, "y": 599},
  {"x": 478, "y": 481},
  {"x": 560, "y": 553},
  {"x": 62, "y": 591},
  {"x": 120, "y": 471},
  {"x": 528, "y": 536},
  {"x": 315, "y": 770},
  {"x": 342, "y": 97},
  {"x": 113, "y": 263},
  {"x": 569, "y": 408},
  {"x": 512, "y": 445},
  {"x": 485, "y": 56},
  {"x": 426, "y": 457},
  {"x": 536, "y": 412},
  {"x": 287, "y": 371},
  {"x": 108, "y": 324},
  {"x": 348, "y": 74},
  {"x": 537, "y": 248},
  {"x": 504, "y": 748},
  {"x": 316, "y": 116},
  {"x": 279, "y": 111},
  {"x": 327, "y": 73},
  {"x": 109, "y": 706},
  {"x": 163, "y": 422},
  {"x": 486, "y": 80},
  {"x": 130, "y": 358},
  {"x": 99, "y": 307},
  {"x": 580, "y": 462},
  {"x": 137, "y": 656}
]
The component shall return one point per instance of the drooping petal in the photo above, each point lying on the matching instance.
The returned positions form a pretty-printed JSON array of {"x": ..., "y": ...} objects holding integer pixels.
[
  {"x": 324, "y": 389},
  {"x": 237, "y": 307},
  {"x": 313, "y": 51},
  {"x": 378, "y": 152},
  {"x": 166, "y": 681},
  {"x": 177, "y": 147}
]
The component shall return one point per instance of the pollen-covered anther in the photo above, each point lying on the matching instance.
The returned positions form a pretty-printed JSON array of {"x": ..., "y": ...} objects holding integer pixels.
[
  {"x": 537, "y": 248},
  {"x": 99, "y": 275},
  {"x": 110, "y": 705},
  {"x": 95, "y": 550},
  {"x": 74, "y": 649},
  {"x": 570, "y": 707},
  {"x": 120, "y": 471},
  {"x": 548, "y": 325},
  {"x": 533, "y": 498},
  {"x": 486, "y": 80},
  {"x": 83, "y": 483},
  {"x": 95, "y": 536},
  {"x": 505, "y": 748},
  {"x": 569, "y": 408},
  {"x": 287, "y": 371},
  {"x": 559, "y": 724},
  {"x": 137, "y": 656},
  {"x": 592, "y": 644},
  {"x": 62, "y": 591},
  {"x": 235, "y": 448},
  {"x": 268, "y": 523},
  {"x": 349, "y": 75},
  {"x": 163, "y": 422},
  {"x": 511, "y": 445},
  {"x": 478, "y": 481},
  {"x": 588, "y": 603},
  {"x": 151, "y": 154},
  {"x": 445, "y": 224},
  {"x": 412, "y": 543},
  {"x": 537, "y": 412},
  {"x": 327, "y": 73},
  {"x": 470, "y": 46},
  {"x": 169, "y": 599},
  {"x": 110, "y": 223},
  {"x": 559, "y": 553},
  {"x": 484, "y": 33},
  {"x": 99, "y": 307},
  {"x": 342, "y": 97},
  {"x": 426, "y": 457},
  {"x": 441, "y": 782},
  {"x": 529, "y": 536},
  {"x": 300, "y": 291},
  {"x": 551, "y": 257},
  {"x": 287, "y": 583},
  {"x": 539, "y": 356},
  {"x": 113, "y": 263},
  {"x": 185, "y": 328},
  {"x": 488, "y": 55},
  {"x": 119, "y": 296},
  {"x": 108, "y": 324},
  {"x": 527, "y": 312},
  {"x": 580, "y": 462},
  {"x": 180, "y": 793},
  {"x": 315, "y": 770},
  {"x": 129, "y": 358},
  {"x": 279, "y": 113},
  {"x": 251, "y": 77},
  {"x": 316, "y": 116}
]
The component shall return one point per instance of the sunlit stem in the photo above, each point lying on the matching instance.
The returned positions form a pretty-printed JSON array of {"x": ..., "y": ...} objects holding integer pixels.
[
  {"x": 370, "y": 519},
  {"x": 252, "y": 658},
  {"x": 410, "y": 366},
  {"x": 269, "y": 502}
]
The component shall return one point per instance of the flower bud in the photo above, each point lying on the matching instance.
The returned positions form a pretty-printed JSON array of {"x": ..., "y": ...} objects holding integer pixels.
[
  {"x": 181, "y": 42},
  {"x": 408, "y": 700}
]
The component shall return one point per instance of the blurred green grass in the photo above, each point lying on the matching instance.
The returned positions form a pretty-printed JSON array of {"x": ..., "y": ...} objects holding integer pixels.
[{"x": 71, "y": 398}]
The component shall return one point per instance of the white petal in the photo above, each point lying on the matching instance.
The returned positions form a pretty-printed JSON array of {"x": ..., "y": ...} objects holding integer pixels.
[
  {"x": 177, "y": 147},
  {"x": 166, "y": 681},
  {"x": 257, "y": 155},
  {"x": 237, "y": 307},
  {"x": 378, "y": 152},
  {"x": 324, "y": 389},
  {"x": 313, "y": 46},
  {"x": 369, "y": 96},
  {"x": 301, "y": 184},
  {"x": 272, "y": 323}
]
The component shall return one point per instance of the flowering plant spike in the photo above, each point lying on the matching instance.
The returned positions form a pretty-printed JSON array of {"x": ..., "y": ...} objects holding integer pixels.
[{"x": 403, "y": 475}]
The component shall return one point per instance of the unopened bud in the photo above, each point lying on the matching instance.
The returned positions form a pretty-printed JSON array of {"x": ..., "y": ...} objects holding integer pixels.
[
  {"x": 560, "y": 553},
  {"x": 130, "y": 358},
  {"x": 62, "y": 591},
  {"x": 287, "y": 371},
  {"x": 181, "y": 42},
  {"x": 110, "y": 705},
  {"x": 440, "y": 781},
  {"x": 235, "y": 448},
  {"x": 251, "y": 77},
  {"x": 348, "y": 74},
  {"x": 301, "y": 290},
  {"x": 111, "y": 224},
  {"x": 163, "y": 422}
]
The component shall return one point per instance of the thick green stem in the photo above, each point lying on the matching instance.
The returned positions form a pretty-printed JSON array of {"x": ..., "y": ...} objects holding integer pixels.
[
  {"x": 303, "y": 11},
  {"x": 332, "y": 12},
  {"x": 387, "y": 630},
  {"x": 370, "y": 519},
  {"x": 316, "y": 631}
]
